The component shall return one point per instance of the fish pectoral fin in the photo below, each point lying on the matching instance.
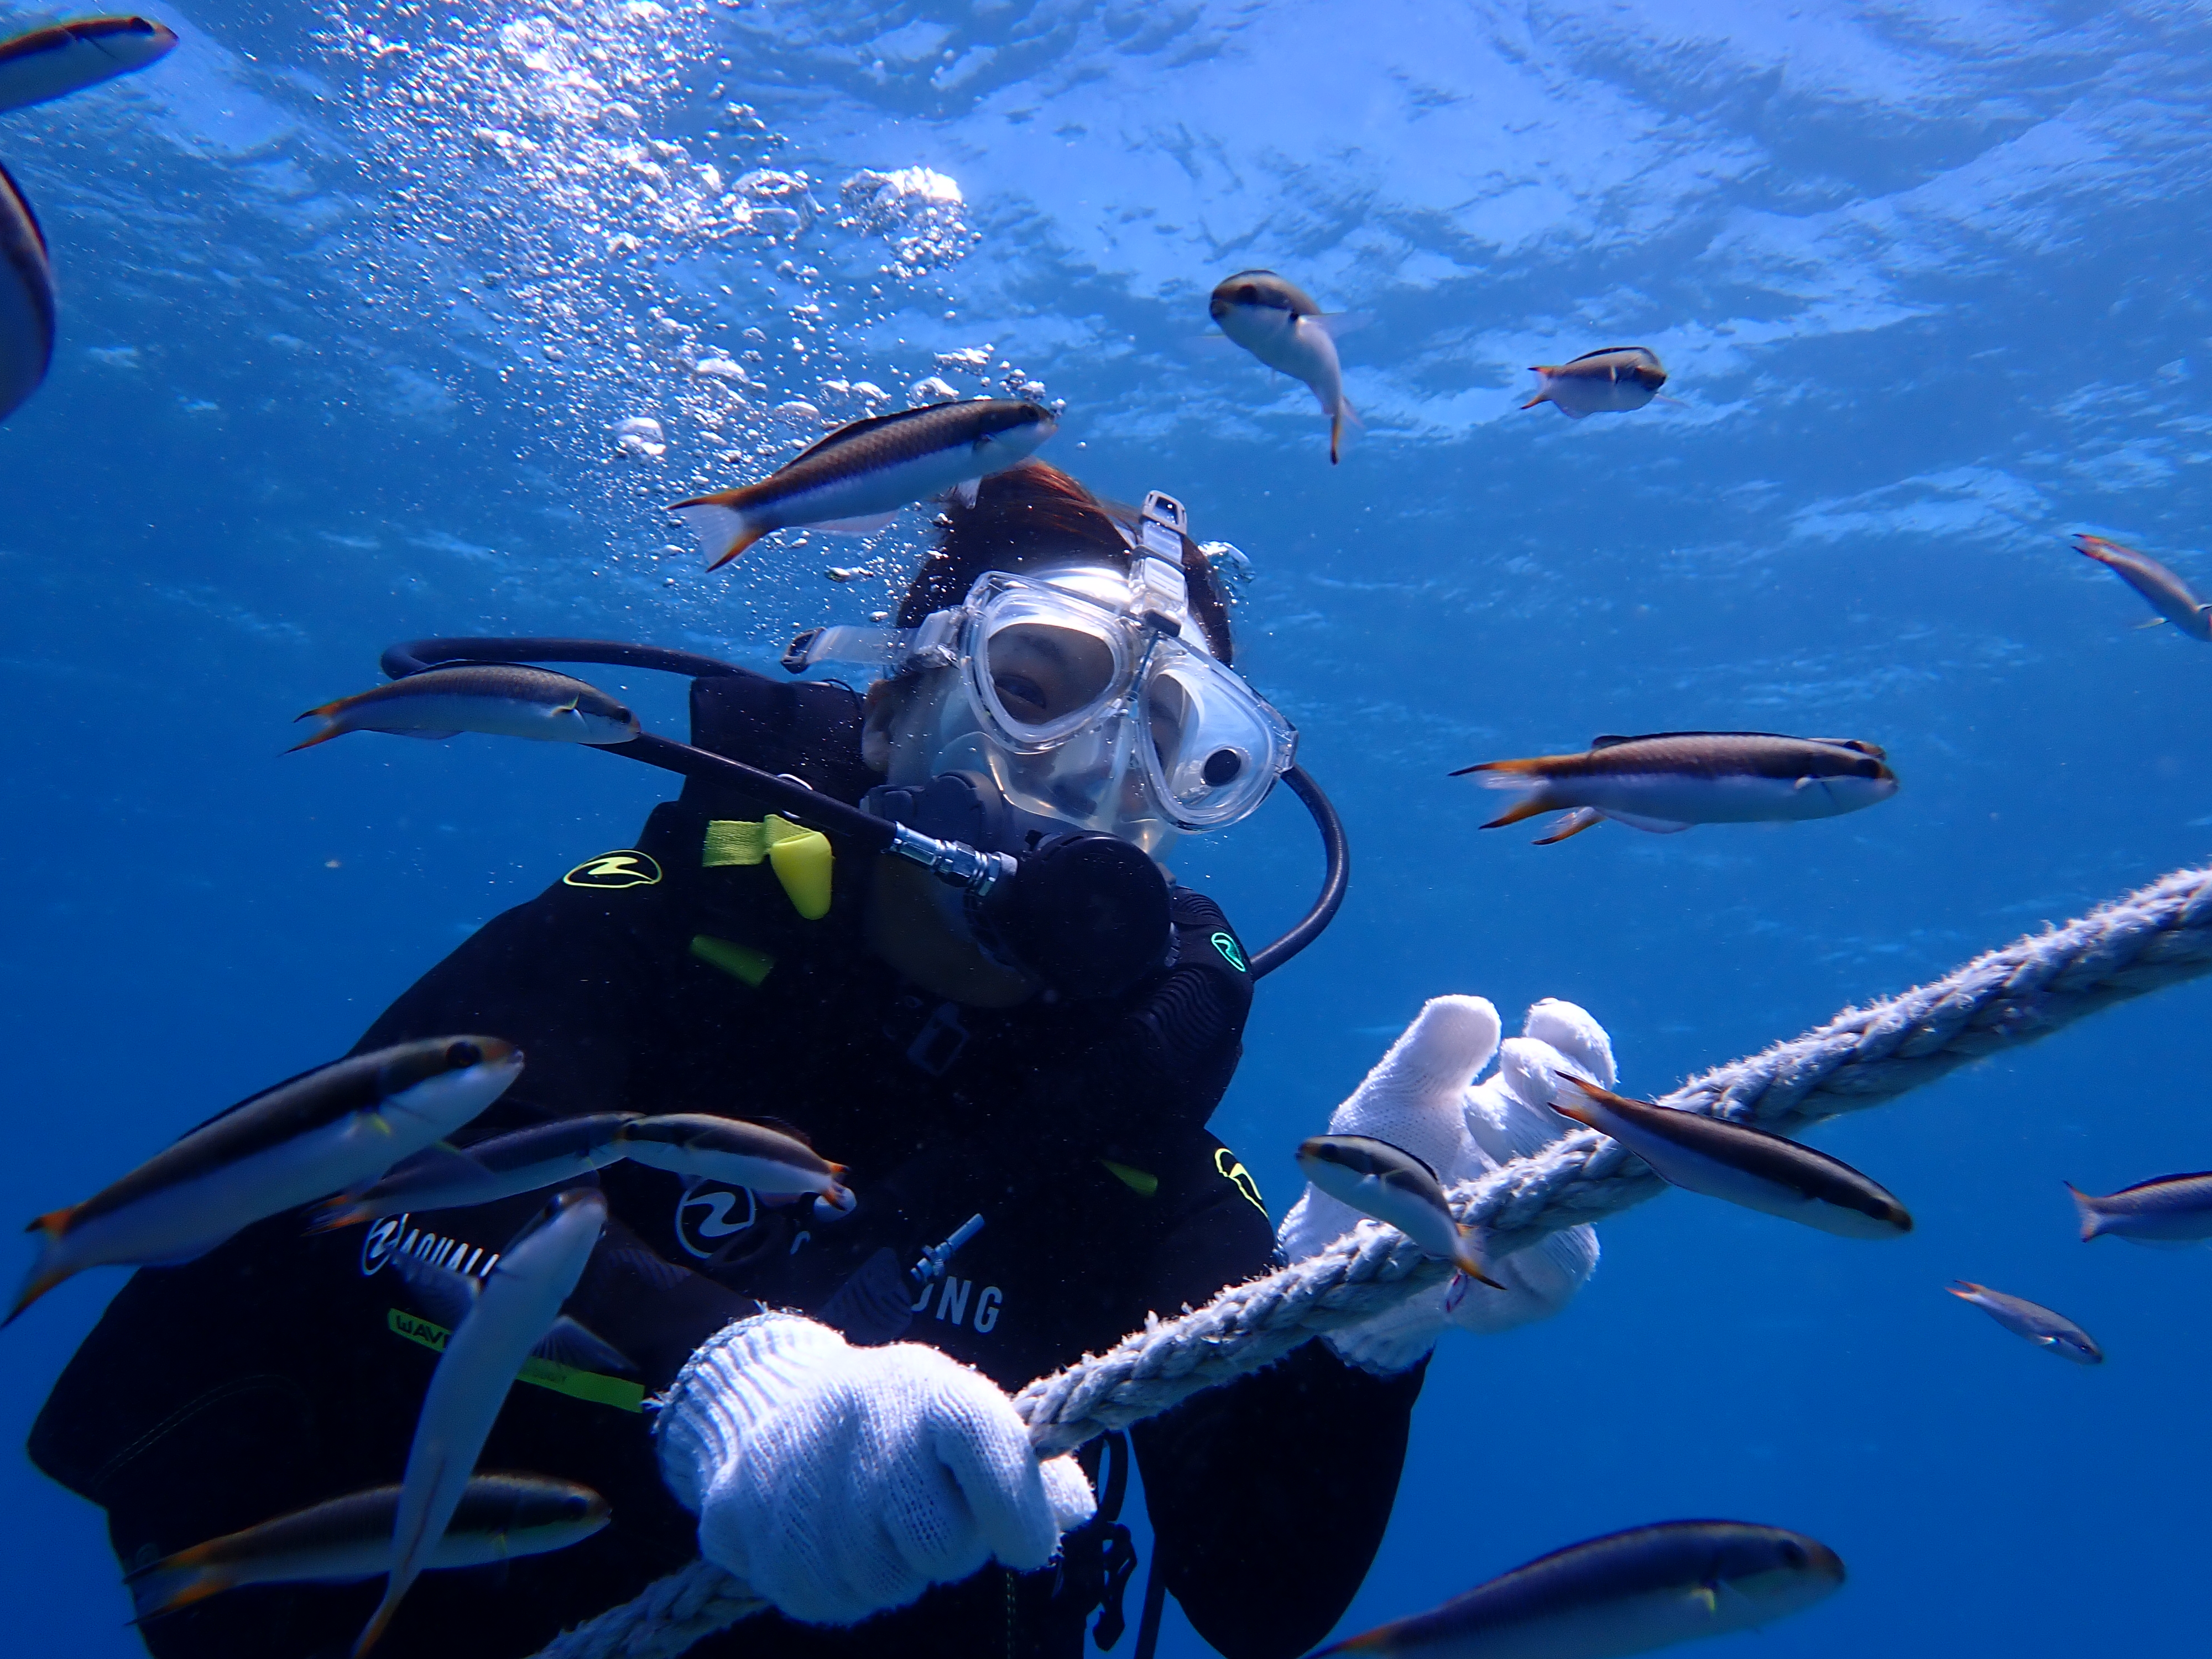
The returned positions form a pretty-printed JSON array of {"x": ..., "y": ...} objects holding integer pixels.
[
  {"x": 414, "y": 731},
  {"x": 1649, "y": 825},
  {"x": 1706, "y": 1596},
  {"x": 1337, "y": 323},
  {"x": 569, "y": 1343},
  {"x": 2155, "y": 622},
  {"x": 864, "y": 524}
]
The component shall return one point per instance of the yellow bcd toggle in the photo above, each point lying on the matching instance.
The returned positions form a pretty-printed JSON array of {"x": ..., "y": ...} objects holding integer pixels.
[{"x": 801, "y": 858}]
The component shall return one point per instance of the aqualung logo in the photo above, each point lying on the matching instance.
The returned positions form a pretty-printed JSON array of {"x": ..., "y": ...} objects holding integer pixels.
[
  {"x": 383, "y": 1238},
  {"x": 391, "y": 1235},
  {"x": 708, "y": 1218},
  {"x": 627, "y": 868}
]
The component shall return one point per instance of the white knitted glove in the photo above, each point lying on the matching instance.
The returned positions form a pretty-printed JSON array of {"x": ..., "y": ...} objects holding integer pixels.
[
  {"x": 840, "y": 1482},
  {"x": 1417, "y": 1097}
]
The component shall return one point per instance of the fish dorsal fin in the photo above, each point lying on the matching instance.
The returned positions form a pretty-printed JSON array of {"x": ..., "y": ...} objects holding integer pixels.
[
  {"x": 1612, "y": 738},
  {"x": 853, "y": 428},
  {"x": 1858, "y": 745},
  {"x": 2160, "y": 1181},
  {"x": 782, "y": 1128},
  {"x": 1602, "y": 351},
  {"x": 447, "y": 1295},
  {"x": 571, "y": 1343},
  {"x": 38, "y": 231}
]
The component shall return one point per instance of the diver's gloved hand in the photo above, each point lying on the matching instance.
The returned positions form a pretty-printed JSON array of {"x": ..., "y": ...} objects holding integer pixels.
[
  {"x": 1418, "y": 1098},
  {"x": 840, "y": 1482}
]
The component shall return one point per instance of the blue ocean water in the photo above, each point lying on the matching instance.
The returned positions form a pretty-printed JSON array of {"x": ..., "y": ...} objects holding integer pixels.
[{"x": 387, "y": 321}]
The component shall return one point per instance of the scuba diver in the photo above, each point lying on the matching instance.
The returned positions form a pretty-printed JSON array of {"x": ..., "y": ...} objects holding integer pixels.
[{"x": 1019, "y": 1101}]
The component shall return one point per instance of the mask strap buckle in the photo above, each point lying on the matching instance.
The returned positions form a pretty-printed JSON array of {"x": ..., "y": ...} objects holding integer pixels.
[{"x": 1162, "y": 595}]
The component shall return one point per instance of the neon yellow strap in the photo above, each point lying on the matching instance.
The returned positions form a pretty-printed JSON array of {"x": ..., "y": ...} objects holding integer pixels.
[
  {"x": 801, "y": 858},
  {"x": 600, "y": 1390},
  {"x": 738, "y": 961}
]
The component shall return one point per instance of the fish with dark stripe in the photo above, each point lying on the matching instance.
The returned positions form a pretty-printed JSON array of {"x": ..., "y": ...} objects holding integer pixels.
[
  {"x": 856, "y": 479},
  {"x": 1666, "y": 781},
  {"x": 2051, "y": 1332},
  {"x": 52, "y": 63},
  {"x": 1612, "y": 379},
  {"x": 2166, "y": 592},
  {"x": 319, "y": 1134},
  {"x": 1625, "y": 1593},
  {"x": 499, "y": 698},
  {"x": 506, "y": 1166},
  {"x": 1738, "y": 1163},
  {"x": 27, "y": 317},
  {"x": 349, "y": 1538}
]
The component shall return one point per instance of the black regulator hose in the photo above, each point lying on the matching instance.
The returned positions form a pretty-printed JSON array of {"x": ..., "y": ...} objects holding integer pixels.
[{"x": 801, "y": 804}]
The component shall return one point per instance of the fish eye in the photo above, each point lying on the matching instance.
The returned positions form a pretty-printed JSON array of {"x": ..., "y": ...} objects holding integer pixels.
[
  {"x": 1247, "y": 296},
  {"x": 458, "y": 1054},
  {"x": 1793, "y": 1553}
]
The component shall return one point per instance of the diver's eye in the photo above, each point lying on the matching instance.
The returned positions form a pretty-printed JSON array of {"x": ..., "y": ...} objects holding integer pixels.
[
  {"x": 458, "y": 1054},
  {"x": 1221, "y": 766},
  {"x": 1023, "y": 695}
]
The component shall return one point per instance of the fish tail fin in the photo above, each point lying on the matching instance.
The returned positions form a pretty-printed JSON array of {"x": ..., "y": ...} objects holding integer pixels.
[
  {"x": 1343, "y": 422},
  {"x": 334, "y": 1214},
  {"x": 332, "y": 730},
  {"x": 2093, "y": 1225},
  {"x": 1538, "y": 801},
  {"x": 1541, "y": 398},
  {"x": 377, "y": 1620},
  {"x": 48, "y": 1270},
  {"x": 720, "y": 525},
  {"x": 1585, "y": 817},
  {"x": 1964, "y": 1289},
  {"x": 1469, "y": 1258},
  {"x": 174, "y": 1584},
  {"x": 2155, "y": 622}
]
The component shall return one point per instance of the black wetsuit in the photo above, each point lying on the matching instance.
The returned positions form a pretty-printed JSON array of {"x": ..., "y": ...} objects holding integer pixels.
[{"x": 282, "y": 1368}]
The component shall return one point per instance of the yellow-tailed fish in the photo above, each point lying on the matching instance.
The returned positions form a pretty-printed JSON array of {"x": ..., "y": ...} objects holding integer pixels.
[
  {"x": 2166, "y": 592},
  {"x": 1667, "y": 781},
  {"x": 510, "y": 1316},
  {"x": 506, "y": 1166},
  {"x": 1738, "y": 1163},
  {"x": 52, "y": 63},
  {"x": 856, "y": 479},
  {"x": 2165, "y": 1212},
  {"x": 738, "y": 1153},
  {"x": 1389, "y": 1183},
  {"x": 1278, "y": 322},
  {"x": 501, "y": 700},
  {"x": 1610, "y": 380},
  {"x": 27, "y": 317},
  {"x": 2051, "y": 1331},
  {"x": 349, "y": 1538},
  {"x": 1626, "y": 1593},
  {"x": 336, "y": 1126}
]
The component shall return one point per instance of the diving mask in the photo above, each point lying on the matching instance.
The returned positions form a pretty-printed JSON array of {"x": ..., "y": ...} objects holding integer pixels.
[{"x": 1087, "y": 694}]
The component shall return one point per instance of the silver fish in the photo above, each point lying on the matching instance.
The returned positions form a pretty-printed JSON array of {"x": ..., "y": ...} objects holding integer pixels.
[
  {"x": 506, "y": 1166},
  {"x": 1389, "y": 1183},
  {"x": 2166, "y": 1212},
  {"x": 1610, "y": 380},
  {"x": 2047, "y": 1330},
  {"x": 1666, "y": 781},
  {"x": 1737, "y": 1162},
  {"x": 501, "y": 699},
  {"x": 516, "y": 1307},
  {"x": 1278, "y": 322},
  {"x": 702, "y": 1147},
  {"x": 2168, "y": 594},
  {"x": 328, "y": 1129},
  {"x": 1628, "y": 1592},
  {"x": 52, "y": 63},
  {"x": 856, "y": 479},
  {"x": 349, "y": 1538},
  {"x": 27, "y": 317}
]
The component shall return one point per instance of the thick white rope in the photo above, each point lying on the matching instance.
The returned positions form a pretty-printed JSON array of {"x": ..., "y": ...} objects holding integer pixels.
[{"x": 2152, "y": 938}]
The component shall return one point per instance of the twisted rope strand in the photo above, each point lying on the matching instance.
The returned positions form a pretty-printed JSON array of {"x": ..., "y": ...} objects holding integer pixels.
[{"x": 2157, "y": 936}]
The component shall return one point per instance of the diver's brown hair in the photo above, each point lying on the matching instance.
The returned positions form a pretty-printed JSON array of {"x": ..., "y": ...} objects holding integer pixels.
[{"x": 1034, "y": 508}]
